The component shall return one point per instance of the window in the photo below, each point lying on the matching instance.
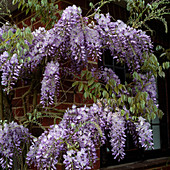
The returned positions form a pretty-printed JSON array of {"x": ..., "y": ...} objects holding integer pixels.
[{"x": 132, "y": 152}]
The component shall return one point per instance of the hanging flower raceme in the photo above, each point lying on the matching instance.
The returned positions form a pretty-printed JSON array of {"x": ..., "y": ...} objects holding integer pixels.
[
  {"x": 116, "y": 126},
  {"x": 79, "y": 133},
  {"x": 50, "y": 83},
  {"x": 76, "y": 136},
  {"x": 46, "y": 150},
  {"x": 148, "y": 84},
  {"x": 10, "y": 67},
  {"x": 145, "y": 135},
  {"x": 125, "y": 43},
  {"x": 12, "y": 139}
]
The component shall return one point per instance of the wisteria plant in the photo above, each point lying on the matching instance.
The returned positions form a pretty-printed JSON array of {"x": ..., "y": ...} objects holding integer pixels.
[{"x": 47, "y": 55}]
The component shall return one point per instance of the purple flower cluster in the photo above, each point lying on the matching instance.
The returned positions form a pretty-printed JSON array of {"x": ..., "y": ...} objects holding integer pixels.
[
  {"x": 12, "y": 138},
  {"x": 37, "y": 50},
  {"x": 50, "y": 83},
  {"x": 72, "y": 40},
  {"x": 107, "y": 73},
  {"x": 149, "y": 86},
  {"x": 10, "y": 67},
  {"x": 74, "y": 139},
  {"x": 76, "y": 136},
  {"x": 131, "y": 129},
  {"x": 144, "y": 131},
  {"x": 126, "y": 43},
  {"x": 45, "y": 151},
  {"x": 117, "y": 129}
]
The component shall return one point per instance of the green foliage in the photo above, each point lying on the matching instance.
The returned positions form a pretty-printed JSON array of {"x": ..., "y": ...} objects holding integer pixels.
[
  {"x": 90, "y": 87},
  {"x": 15, "y": 42},
  {"x": 47, "y": 12},
  {"x": 118, "y": 96},
  {"x": 141, "y": 12},
  {"x": 164, "y": 56},
  {"x": 97, "y": 6}
]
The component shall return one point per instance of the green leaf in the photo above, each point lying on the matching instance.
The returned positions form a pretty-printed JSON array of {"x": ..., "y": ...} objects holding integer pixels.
[
  {"x": 86, "y": 94},
  {"x": 56, "y": 6},
  {"x": 80, "y": 87},
  {"x": 27, "y": 10},
  {"x": 10, "y": 33},
  {"x": 132, "y": 109},
  {"x": 29, "y": 116},
  {"x": 113, "y": 95},
  {"x": 85, "y": 87},
  {"x": 83, "y": 73},
  {"x": 91, "y": 4},
  {"x": 21, "y": 61},
  {"x": 26, "y": 46},
  {"x": 135, "y": 75},
  {"x": 142, "y": 104},
  {"x": 120, "y": 86},
  {"x": 18, "y": 31},
  {"x": 123, "y": 97},
  {"x": 88, "y": 75},
  {"x": 116, "y": 90},
  {"x": 153, "y": 115},
  {"x": 75, "y": 83},
  {"x": 94, "y": 99},
  {"x": 122, "y": 112},
  {"x": 90, "y": 82},
  {"x": 107, "y": 86},
  {"x": 4, "y": 35},
  {"x": 129, "y": 100},
  {"x": 127, "y": 116},
  {"x": 119, "y": 101},
  {"x": 105, "y": 94}
]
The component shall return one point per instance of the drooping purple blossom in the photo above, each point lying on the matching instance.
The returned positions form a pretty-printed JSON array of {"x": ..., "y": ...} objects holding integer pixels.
[
  {"x": 50, "y": 83},
  {"x": 12, "y": 139},
  {"x": 79, "y": 130},
  {"x": 144, "y": 131},
  {"x": 10, "y": 67},
  {"x": 117, "y": 134},
  {"x": 127, "y": 44}
]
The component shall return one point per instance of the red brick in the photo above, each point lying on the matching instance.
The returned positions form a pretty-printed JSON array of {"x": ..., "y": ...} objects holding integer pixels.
[
  {"x": 98, "y": 152},
  {"x": 66, "y": 85},
  {"x": 46, "y": 121},
  {"x": 38, "y": 98},
  {"x": 60, "y": 166},
  {"x": 67, "y": 97},
  {"x": 64, "y": 106},
  {"x": 17, "y": 102},
  {"x": 30, "y": 100},
  {"x": 19, "y": 112},
  {"x": 27, "y": 21},
  {"x": 78, "y": 98},
  {"x": 20, "y": 91},
  {"x": 37, "y": 25},
  {"x": 19, "y": 83},
  {"x": 13, "y": 111},
  {"x": 96, "y": 165}
]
